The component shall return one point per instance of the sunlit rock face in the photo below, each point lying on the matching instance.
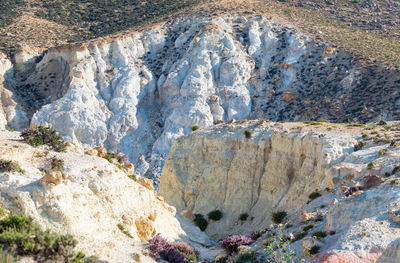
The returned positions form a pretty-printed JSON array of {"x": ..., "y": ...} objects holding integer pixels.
[{"x": 140, "y": 92}]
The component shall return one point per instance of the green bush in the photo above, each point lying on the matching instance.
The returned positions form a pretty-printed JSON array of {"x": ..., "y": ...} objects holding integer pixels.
[
  {"x": 278, "y": 250},
  {"x": 314, "y": 250},
  {"x": 56, "y": 164},
  {"x": 215, "y": 215},
  {"x": 195, "y": 127},
  {"x": 10, "y": 166},
  {"x": 396, "y": 169},
  {"x": 371, "y": 165},
  {"x": 319, "y": 234},
  {"x": 308, "y": 227},
  {"x": 200, "y": 221},
  {"x": 277, "y": 217},
  {"x": 248, "y": 134},
  {"x": 247, "y": 257},
  {"x": 243, "y": 216},
  {"x": 43, "y": 135},
  {"x": 382, "y": 152},
  {"x": 314, "y": 195},
  {"x": 20, "y": 236},
  {"x": 300, "y": 235},
  {"x": 359, "y": 146}
]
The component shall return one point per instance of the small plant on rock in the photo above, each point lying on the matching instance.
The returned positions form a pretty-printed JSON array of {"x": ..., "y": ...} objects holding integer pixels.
[
  {"x": 195, "y": 127},
  {"x": 243, "y": 217},
  {"x": 10, "y": 166},
  {"x": 248, "y": 134},
  {"x": 215, "y": 215},
  {"x": 314, "y": 250},
  {"x": 123, "y": 230},
  {"x": 43, "y": 135},
  {"x": 300, "y": 235},
  {"x": 319, "y": 234},
  {"x": 308, "y": 227},
  {"x": 20, "y": 236},
  {"x": 56, "y": 164},
  {"x": 247, "y": 257},
  {"x": 174, "y": 252},
  {"x": 232, "y": 243},
  {"x": 277, "y": 217},
  {"x": 200, "y": 221},
  {"x": 359, "y": 146},
  {"x": 314, "y": 195},
  {"x": 371, "y": 165},
  {"x": 278, "y": 250},
  {"x": 382, "y": 152}
]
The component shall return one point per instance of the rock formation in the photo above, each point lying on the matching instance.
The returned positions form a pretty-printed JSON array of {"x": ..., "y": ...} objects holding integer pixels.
[
  {"x": 280, "y": 167},
  {"x": 142, "y": 91},
  {"x": 106, "y": 211}
]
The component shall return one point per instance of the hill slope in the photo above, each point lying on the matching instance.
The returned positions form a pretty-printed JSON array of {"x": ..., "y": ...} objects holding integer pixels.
[{"x": 370, "y": 29}]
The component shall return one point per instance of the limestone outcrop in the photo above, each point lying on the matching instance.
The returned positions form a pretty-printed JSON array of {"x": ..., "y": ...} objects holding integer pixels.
[
  {"x": 222, "y": 169},
  {"x": 350, "y": 199},
  {"x": 140, "y": 92},
  {"x": 106, "y": 211}
]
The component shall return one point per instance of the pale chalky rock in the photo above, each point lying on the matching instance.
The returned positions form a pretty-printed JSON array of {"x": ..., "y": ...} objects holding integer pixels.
[{"x": 89, "y": 203}]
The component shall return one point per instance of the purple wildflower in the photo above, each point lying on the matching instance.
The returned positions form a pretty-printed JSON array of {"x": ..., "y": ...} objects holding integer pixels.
[{"x": 232, "y": 243}]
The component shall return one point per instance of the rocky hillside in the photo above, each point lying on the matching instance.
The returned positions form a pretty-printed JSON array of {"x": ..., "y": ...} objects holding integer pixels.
[
  {"x": 340, "y": 198},
  {"x": 140, "y": 92},
  {"x": 325, "y": 192},
  {"x": 100, "y": 205}
]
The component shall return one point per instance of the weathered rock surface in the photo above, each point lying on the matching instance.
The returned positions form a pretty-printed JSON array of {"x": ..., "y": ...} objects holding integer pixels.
[
  {"x": 11, "y": 113},
  {"x": 391, "y": 254},
  {"x": 276, "y": 169},
  {"x": 222, "y": 169},
  {"x": 139, "y": 93},
  {"x": 92, "y": 202}
]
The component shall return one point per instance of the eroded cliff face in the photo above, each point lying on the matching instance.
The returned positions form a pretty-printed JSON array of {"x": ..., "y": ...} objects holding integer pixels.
[
  {"x": 141, "y": 92},
  {"x": 92, "y": 200},
  {"x": 11, "y": 114},
  {"x": 221, "y": 169},
  {"x": 275, "y": 167}
]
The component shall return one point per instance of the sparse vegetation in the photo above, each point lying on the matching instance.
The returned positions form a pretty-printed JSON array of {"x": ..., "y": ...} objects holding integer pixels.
[
  {"x": 359, "y": 146},
  {"x": 56, "y": 164},
  {"x": 308, "y": 227},
  {"x": 313, "y": 123},
  {"x": 43, "y": 135},
  {"x": 200, "y": 221},
  {"x": 215, "y": 215},
  {"x": 195, "y": 127},
  {"x": 371, "y": 165},
  {"x": 278, "y": 250},
  {"x": 243, "y": 217},
  {"x": 277, "y": 217},
  {"x": 232, "y": 243},
  {"x": 123, "y": 230},
  {"x": 396, "y": 169},
  {"x": 248, "y": 134},
  {"x": 314, "y": 250},
  {"x": 314, "y": 195},
  {"x": 384, "y": 151},
  {"x": 133, "y": 177},
  {"x": 20, "y": 236},
  {"x": 319, "y": 234},
  {"x": 300, "y": 235},
  {"x": 247, "y": 257},
  {"x": 174, "y": 252},
  {"x": 10, "y": 166}
]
